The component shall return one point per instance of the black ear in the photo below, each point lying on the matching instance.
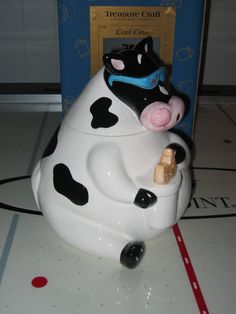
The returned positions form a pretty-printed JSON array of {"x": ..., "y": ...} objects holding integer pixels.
[
  {"x": 113, "y": 62},
  {"x": 145, "y": 45}
]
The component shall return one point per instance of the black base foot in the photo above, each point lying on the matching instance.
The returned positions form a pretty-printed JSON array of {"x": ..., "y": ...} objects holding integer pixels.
[{"x": 132, "y": 254}]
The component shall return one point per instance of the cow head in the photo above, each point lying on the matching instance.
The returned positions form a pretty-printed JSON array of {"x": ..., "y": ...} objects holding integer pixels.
[{"x": 137, "y": 78}]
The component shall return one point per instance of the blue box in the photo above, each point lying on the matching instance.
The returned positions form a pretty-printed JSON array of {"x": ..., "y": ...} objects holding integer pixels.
[{"x": 74, "y": 40}]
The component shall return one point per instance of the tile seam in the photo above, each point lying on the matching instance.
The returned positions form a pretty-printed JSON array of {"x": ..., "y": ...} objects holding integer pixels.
[
  {"x": 8, "y": 245},
  {"x": 226, "y": 114},
  {"x": 36, "y": 146}
]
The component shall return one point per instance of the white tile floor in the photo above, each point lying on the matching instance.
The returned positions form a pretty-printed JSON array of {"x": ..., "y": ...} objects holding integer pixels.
[{"x": 77, "y": 283}]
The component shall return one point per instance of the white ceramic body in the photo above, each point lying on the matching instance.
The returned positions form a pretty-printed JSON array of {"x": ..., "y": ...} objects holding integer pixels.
[{"x": 113, "y": 164}]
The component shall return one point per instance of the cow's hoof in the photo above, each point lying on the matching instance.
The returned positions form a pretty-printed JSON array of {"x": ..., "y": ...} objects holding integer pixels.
[
  {"x": 145, "y": 198},
  {"x": 132, "y": 254}
]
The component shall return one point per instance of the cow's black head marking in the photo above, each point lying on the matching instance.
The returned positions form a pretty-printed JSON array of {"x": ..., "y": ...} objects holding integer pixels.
[
  {"x": 135, "y": 75},
  {"x": 67, "y": 186},
  {"x": 133, "y": 62},
  {"x": 102, "y": 117}
]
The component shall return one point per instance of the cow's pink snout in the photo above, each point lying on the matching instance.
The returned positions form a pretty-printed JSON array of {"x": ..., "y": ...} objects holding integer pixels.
[{"x": 160, "y": 117}]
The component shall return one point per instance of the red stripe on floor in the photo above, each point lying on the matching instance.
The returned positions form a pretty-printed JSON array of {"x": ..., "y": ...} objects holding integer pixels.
[{"x": 190, "y": 271}]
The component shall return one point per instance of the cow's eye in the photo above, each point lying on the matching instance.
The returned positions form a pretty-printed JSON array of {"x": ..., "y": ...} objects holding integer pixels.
[{"x": 139, "y": 57}]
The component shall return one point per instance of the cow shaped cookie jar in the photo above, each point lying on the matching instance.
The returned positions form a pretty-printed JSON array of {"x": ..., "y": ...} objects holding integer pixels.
[{"x": 112, "y": 176}]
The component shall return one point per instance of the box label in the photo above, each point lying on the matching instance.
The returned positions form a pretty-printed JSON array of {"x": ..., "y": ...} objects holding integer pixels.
[{"x": 116, "y": 27}]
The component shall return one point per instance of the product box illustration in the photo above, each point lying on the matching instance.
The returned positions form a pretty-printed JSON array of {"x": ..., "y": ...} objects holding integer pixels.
[
  {"x": 89, "y": 29},
  {"x": 114, "y": 28}
]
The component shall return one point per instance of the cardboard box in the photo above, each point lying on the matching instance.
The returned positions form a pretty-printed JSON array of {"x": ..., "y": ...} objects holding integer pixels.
[{"x": 87, "y": 29}]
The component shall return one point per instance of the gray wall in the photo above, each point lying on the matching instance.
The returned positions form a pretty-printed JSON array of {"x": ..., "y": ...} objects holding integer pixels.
[
  {"x": 28, "y": 41},
  {"x": 220, "y": 62}
]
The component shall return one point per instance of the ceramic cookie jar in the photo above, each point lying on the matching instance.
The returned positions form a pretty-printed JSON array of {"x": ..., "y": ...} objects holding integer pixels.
[{"x": 113, "y": 176}]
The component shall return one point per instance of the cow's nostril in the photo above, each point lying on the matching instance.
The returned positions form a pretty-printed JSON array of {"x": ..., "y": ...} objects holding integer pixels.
[{"x": 178, "y": 116}]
